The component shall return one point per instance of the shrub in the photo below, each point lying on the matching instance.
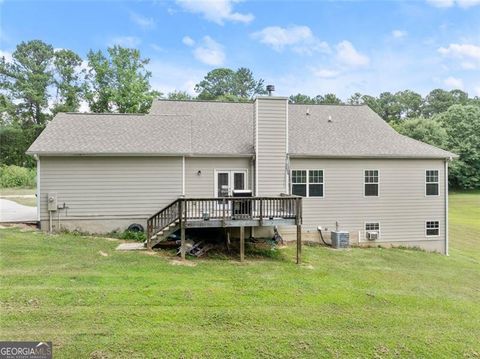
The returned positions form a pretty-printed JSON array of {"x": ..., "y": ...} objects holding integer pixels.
[
  {"x": 136, "y": 236},
  {"x": 15, "y": 176},
  {"x": 130, "y": 235}
]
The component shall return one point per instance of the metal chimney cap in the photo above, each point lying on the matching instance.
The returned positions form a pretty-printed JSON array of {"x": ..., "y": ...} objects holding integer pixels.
[{"x": 270, "y": 89}]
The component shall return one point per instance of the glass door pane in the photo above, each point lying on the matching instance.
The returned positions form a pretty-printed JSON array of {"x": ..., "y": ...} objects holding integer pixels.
[
  {"x": 238, "y": 180},
  {"x": 222, "y": 184}
]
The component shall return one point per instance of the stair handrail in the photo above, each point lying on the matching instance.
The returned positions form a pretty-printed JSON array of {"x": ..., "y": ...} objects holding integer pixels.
[{"x": 157, "y": 222}]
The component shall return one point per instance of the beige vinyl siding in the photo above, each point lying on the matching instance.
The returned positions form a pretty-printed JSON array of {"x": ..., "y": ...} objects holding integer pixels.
[
  {"x": 110, "y": 187},
  {"x": 203, "y": 185},
  {"x": 401, "y": 207},
  {"x": 271, "y": 145}
]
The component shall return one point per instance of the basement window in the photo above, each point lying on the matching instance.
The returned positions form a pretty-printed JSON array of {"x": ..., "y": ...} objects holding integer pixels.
[
  {"x": 371, "y": 183},
  {"x": 432, "y": 228},
  {"x": 373, "y": 226},
  {"x": 431, "y": 183}
]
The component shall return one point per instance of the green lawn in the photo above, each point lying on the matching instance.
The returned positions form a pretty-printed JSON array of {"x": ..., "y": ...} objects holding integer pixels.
[
  {"x": 18, "y": 195},
  {"x": 361, "y": 303}
]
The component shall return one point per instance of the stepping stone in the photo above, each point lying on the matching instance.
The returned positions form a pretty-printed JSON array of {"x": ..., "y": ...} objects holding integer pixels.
[{"x": 131, "y": 247}]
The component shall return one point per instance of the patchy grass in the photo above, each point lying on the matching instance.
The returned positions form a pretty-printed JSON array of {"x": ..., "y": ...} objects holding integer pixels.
[
  {"x": 19, "y": 195},
  {"x": 92, "y": 301},
  {"x": 17, "y": 191}
]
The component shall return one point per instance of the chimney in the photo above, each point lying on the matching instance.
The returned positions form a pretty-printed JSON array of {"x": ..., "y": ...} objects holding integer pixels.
[
  {"x": 271, "y": 144},
  {"x": 270, "y": 89}
]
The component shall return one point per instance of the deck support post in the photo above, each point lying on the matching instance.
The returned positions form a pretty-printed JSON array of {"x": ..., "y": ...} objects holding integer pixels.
[
  {"x": 182, "y": 230},
  {"x": 242, "y": 244},
  {"x": 299, "y": 229},
  {"x": 299, "y": 244}
]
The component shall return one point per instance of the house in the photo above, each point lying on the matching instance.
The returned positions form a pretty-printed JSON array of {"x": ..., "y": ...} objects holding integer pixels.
[{"x": 102, "y": 172}]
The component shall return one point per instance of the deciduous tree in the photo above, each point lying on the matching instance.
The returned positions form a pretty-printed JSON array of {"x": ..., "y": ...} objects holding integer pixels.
[{"x": 119, "y": 82}]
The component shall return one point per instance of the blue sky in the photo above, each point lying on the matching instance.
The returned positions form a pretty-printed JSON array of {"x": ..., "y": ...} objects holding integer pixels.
[{"x": 312, "y": 47}]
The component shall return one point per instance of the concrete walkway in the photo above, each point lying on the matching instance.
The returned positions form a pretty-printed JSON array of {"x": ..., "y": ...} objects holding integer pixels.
[{"x": 13, "y": 212}]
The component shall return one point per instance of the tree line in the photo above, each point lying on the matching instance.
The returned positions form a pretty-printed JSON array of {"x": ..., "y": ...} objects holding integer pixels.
[{"x": 40, "y": 81}]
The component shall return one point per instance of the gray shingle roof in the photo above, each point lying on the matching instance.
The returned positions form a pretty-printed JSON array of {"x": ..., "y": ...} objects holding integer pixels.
[
  {"x": 218, "y": 128},
  {"x": 350, "y": 131},
  {"x": 170, "y": 128}
]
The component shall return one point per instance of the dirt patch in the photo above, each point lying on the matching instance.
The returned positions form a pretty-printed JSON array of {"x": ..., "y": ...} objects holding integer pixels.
[
  {"x": 24, "y": 227},
  {"x": 178, "y": 262},
  {"x": 103, "y": 254}
]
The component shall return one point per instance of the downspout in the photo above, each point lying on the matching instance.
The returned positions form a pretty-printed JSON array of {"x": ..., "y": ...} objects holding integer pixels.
[
  {"x": 256, "y": 147},
  {"x": 183, "y": 176},
  {"x": 38, "y": 187},
  {"x": 446, "y": 206},
  {"x": 287, "y": 159}
]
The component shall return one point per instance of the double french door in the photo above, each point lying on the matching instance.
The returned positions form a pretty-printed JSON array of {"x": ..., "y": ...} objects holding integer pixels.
[{"x": 226, "y": 181}]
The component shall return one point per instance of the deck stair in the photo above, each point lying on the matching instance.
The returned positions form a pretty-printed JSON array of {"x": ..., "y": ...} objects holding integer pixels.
[{"x": 222, "y": 212}]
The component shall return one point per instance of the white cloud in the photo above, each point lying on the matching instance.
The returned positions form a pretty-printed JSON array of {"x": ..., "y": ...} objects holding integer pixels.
[
  {"x": 468, "y": 53},
  {"x": 169, "y": 77},
  {"x": 453, "y": 82},
  {"x": 142, "y": 21},
  {"x": 347, "y": 55},
  {"x": 477, "y": 90},
  {"x": 187, "y": 40},
  {"x": 157, "y": 48},
  {"x": 209, "y": 52},
  {"x": 441, "y": 3},
  {"x": 326, "y": 73},
  {"x": 468, "y": 3},
  {"x": 217, "y": 11},
  {"x": 450, "y": 3},
  {"x": 299, "y": 38},
  {"x": 125, "y": 41},
  {"x": 398, "y": 34}
]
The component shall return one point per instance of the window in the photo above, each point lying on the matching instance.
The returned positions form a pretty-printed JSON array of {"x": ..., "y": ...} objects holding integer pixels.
[
  {"x": 299, "y": 183},
  {"x": 372, "y": 230},
  {"x": 372, "y": 226},
  {"x": 371, "y": 183},
  {"x": 315, "y": 183},
  {"x": 432, "y": 228},
  {"x": 307, "y": 186},
  {"x": 431, "y": 182}
]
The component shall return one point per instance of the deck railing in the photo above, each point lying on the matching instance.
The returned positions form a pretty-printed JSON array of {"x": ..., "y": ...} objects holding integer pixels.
[{"x": 226, "y": 209}]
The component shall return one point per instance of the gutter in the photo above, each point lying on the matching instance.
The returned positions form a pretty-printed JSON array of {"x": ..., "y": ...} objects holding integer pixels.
[
  {"x": 138, "y": 154},
  {"x": 446, "y": 203}
]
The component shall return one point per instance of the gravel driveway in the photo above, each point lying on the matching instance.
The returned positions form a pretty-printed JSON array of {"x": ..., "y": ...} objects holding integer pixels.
[{"x": 13, "y": 212}]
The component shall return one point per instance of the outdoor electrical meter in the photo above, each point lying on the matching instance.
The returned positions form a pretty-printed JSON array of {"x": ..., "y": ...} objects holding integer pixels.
[{"x": 52, "y": 201}]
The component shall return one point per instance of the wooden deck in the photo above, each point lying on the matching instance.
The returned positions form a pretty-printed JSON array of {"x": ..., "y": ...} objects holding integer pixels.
[{"x": 227, "y": 212}]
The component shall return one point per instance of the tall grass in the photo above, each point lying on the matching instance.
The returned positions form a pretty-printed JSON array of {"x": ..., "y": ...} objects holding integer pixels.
[{"x": 15, "y": 176}]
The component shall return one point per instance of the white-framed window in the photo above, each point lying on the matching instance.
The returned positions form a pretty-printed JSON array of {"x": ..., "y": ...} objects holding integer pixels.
[
  {"x": 315, "y": 183},
  {"x": 431, "y": 183},
  {"x": 432, "y": 228},
  {"x": 372, "y": 227},
  {"x": 371, "y": 183},
  {"x": 307, "y": 183},
  {"x": 299, "y": 183}
]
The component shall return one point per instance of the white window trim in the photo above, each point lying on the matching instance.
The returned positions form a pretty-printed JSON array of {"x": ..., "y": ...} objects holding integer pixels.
[
  {"x": 364, "y": 183},
  {"x": 365, "y": 229},
  {"x": 432, "y": 235},
  {"x": 308, "y": 181},
  {"x": 438, "y": 183}
]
